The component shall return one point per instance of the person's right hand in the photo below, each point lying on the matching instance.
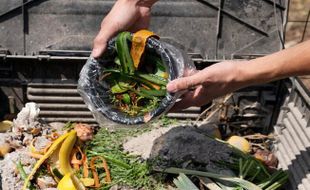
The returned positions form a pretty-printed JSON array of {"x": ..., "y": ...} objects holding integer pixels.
[{"x": 130, "y": 15}]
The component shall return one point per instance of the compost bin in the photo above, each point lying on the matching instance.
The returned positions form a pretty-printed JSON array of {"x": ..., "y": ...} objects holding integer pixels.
[{"x": 45, "y": 43}]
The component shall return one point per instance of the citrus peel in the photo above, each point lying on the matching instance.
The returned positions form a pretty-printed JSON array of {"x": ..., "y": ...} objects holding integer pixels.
[
  {"x": 139, "y": 40},
  {"x": 240, "y": 143},
  {"x": 75, "y": 160}
]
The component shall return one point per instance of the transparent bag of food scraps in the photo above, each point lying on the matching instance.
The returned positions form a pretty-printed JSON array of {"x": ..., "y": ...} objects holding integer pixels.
[{"x": 97, "y": 93}]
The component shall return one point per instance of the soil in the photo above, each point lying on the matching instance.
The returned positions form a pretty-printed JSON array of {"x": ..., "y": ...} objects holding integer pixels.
[
  {"x": 142, "y": 145},
  {"x": 11, "y": 179},
  {"x": 191, "y": 148}
]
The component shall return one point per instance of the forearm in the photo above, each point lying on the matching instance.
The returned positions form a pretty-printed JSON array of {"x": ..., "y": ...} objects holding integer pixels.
[{"x": 286, "y": 63}]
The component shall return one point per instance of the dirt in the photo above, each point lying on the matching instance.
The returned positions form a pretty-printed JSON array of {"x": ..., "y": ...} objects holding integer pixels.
[
  {"x": 11, "y": 179},
  {"x": 189, "y": 147},
  {"x": 142, "y": 145},
  {"x": 25, "y": 128}
]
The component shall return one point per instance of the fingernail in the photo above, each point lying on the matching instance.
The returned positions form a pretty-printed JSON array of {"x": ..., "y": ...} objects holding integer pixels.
[{"x": 171, "y": 87}]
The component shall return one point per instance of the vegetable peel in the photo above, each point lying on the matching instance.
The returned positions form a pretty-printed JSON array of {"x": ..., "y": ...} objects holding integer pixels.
[
  {"x": 94, "y": 171},
  {"x": 64, "y": 156},
  {"x": 56, "y": 144},
  {"x": 240, "y": 143},
  {"x": 139, "y": 40}
]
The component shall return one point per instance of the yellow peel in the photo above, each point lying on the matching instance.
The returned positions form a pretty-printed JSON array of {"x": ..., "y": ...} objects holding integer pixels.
[
  {"x": 64, "y": 153},
  {"x": 139, "y": 40},
  {"x": 5, "y": 125},
  {"x": 77, "y": 183},
  {"x": 88, "y": 182},
  {"x": 66, "y": 183},
  {"x": 240, "y": 143},
  {"x": 50, "y": 151},
  {"x": 33, "y": 149}
]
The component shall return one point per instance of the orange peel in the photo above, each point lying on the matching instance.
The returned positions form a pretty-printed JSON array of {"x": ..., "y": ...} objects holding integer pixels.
[{"x": 139, "y": 40}]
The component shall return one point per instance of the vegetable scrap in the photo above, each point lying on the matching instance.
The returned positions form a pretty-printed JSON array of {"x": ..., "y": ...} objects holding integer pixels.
[
  {"x": 137, "y": 77},
  {"x": 273, "y": 182},
  {"x": 77, "y": 157},
  {"x": 65, "y": 160},
  {"x": 228, "y": 164},
  {"x": 240, "y": 143},
  {"x": 248, "y": 172},
  {"x": 69, "y": 161},
  {"x": 5, "y": 125}
]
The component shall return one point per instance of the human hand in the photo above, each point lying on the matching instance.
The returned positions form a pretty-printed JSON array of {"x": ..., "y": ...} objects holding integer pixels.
[
  {"x": 225, "y": 77},
  {"x": 205, "y": 85},
  {"x": 130, "y": 15}
]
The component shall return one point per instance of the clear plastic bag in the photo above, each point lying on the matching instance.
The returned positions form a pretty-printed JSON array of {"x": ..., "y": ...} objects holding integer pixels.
[{"x": 95, "y": 93}]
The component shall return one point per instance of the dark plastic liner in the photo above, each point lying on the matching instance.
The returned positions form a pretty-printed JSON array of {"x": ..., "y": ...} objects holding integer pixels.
[{"x": 96, "y": 93}]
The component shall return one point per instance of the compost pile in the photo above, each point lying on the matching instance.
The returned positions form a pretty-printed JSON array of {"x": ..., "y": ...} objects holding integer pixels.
[
  {"x": 71, "y": 156},
  {"x": 75, "y": 156},
  {"x": 39, "y": 155}
]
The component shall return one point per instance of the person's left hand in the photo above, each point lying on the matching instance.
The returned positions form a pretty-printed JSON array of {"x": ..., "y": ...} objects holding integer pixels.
[
  {"x": 205, "y": 85},
  {"x": 125, "y": 15}
]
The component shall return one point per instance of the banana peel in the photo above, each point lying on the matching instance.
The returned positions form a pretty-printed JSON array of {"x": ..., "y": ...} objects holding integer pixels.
[
  {"x": 56, "y": 145},
  {"x": 70, "y": 182},
  {"x": 60, "y": 167},
  {"x": 64, "y": 153},
  {"x": 66, "y": 183},
  {"x": 5, "y": 126},
  {"x": 88, "y": 182}
]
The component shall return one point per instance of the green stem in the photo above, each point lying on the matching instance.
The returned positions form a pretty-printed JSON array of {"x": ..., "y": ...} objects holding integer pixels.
[
  {"x": 152, "y": 78},
  {"x": 256, "y": 173},
  {"x": 278, "y": 183},
  {"x": 277, "y": 175},
  {"x": 21, "y": 170},
  {"x": 248, "y": 168},
  {"x": 124, "y": 53},
  {"x": 153, "y": 92},
  {"x": 240, "y": 168},
  {"x": 23, "y": 174},
  {"x": 238, "y": 181}
]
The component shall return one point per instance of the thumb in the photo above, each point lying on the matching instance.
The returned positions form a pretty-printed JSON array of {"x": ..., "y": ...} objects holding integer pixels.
[
  {"x": 100, "y": 44},
  {"x": 184, "y": 83}
]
